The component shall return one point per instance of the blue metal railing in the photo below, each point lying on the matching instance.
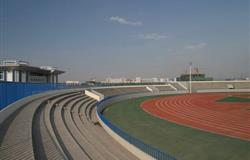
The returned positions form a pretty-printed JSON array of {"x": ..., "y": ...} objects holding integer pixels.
[
  {"x": 13, "y": 91},
  {"x": 148, "y": 149}
]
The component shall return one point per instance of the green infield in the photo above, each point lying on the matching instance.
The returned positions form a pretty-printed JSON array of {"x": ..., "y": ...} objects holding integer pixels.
[
  {"x": 234, "y": 99},
  {"x": 181, "y": 142}
]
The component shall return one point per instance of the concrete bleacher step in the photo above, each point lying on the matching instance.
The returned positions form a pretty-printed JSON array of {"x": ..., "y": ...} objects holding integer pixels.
[
  {"x": 58, "y": 126},
  {"x": 68, "y": 143},
  {"x": 82, "y": 141},
  {"x": 91, "y": 140},
  {"x": 93, "y": 116},
  {"x": 104, "y": 141},
  {"x": 17, "y": 142},
  {"x": 50, "y": 125},
  {"x": 178, "y": 86},
  {"x": 44, "y": 147}
]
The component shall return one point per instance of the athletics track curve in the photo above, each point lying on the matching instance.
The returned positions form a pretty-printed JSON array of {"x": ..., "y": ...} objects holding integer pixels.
[{"x": 202, "y": 111}]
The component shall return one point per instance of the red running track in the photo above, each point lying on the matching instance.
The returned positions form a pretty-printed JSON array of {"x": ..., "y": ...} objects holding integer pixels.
[{"x": 202, "y": 111}]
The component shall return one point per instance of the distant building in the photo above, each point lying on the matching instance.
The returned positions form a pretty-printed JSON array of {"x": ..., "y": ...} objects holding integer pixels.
[
  {"x": 163, "y": 80},
  {"x": 146, "y": 80},
  {"x": 155, "y": 80},
  {"x": 150, "y": 80},
  {"x": 72, "y": 82},
  {"x": 195, "y": 76},
  {"x": 116, "y": 80},
  {"x": 138, "y": 80},
  {"x": 21, "y": 71}
]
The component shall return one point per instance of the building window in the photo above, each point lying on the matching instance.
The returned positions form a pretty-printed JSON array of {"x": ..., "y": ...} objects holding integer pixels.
[{"x": 1, "y": 75}]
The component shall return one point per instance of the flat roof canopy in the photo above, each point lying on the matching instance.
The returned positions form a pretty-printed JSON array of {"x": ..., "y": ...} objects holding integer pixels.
[{"x": 30, "y": 69}]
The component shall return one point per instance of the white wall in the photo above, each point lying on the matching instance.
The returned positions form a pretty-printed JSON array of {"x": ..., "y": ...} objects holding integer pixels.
[
  {"x": 9, "y": 76},
  {"x": 23, "y": 76},
  {"x": 94, "y": 95}
]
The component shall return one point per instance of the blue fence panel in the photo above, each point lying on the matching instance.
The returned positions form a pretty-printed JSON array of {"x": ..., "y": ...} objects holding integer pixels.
[{"x": 13, "y": 91}]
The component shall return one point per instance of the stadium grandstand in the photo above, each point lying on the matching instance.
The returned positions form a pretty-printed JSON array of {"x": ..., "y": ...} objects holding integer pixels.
[
  {"x": 56, "y": 125},
  {"x": 121, "y": 90},
  {"x": 68, "y": 123},
  {"x": 211, "y": 85}
]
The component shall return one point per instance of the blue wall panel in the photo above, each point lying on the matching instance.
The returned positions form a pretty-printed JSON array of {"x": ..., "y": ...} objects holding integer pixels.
[{"x": 13, "y": 91}]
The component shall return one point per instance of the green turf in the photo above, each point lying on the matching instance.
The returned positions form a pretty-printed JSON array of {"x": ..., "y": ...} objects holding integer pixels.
[
  {"x": 234, "y": 99},
  {"x": 182, "y": 142}
]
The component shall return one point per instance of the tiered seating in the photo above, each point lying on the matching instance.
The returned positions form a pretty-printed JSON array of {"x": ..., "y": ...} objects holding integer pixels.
[
  {"x": 108, "y": 91},
  {"x": 121, "y": 90},
  {"x": 153, "y": 89},
  {"x": 44, "y": 131},
  {"x": 242, "y": 85},
  {"x": 60, "y": 126},
  {"x": 165, "y": 88},
  {"x": 18, "y": 133},
  {"x": 177, "y": 86},
  {"x": 220, "y": 85}
]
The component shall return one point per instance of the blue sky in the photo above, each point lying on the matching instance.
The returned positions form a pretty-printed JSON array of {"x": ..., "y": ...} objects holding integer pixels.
[{"x": 99, "y": 39}]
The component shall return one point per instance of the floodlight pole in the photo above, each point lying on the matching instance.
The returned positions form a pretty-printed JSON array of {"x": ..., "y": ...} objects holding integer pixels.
[{"x": 190, "y": 77}]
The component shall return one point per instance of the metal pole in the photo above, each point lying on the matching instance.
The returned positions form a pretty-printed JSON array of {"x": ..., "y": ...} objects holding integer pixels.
[{"x": 190, "y": 77}]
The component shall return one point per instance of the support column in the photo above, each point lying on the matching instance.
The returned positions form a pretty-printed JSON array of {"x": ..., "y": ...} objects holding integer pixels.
[
  {"x": 52, "y": 75},
  {"x": 20, "y": 76},
  {"x": 5, "y": 75},
  {"x": 16, "y": 76},
  {"x": 27, "y": 76},
  {"x": 13, "y": 76}
]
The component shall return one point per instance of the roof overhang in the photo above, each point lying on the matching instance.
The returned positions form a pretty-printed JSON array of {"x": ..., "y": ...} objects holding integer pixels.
[{"x": 31, "y": 69}]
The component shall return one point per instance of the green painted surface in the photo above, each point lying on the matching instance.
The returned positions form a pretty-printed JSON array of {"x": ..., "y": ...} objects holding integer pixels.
[
  {"x": 182, "y": 142},
  {"x": 234, "y": 99}
]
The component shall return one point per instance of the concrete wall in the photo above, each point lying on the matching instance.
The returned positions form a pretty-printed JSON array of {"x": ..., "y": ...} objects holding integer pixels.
[
  {"x": 150, "y": 89},
  {"x": 95, "y": 95}
]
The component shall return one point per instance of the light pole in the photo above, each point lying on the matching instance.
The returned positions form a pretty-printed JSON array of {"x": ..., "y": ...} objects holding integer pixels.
[{"x": 190, "y": 77}]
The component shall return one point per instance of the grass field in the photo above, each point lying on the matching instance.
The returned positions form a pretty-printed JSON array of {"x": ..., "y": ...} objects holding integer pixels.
[
  {"x": 182, "y": 142},
  {"x": 234, "y": 99}
]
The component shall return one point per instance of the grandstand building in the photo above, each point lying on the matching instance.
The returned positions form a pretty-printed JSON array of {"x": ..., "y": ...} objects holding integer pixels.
[
  {"x": 21, "y": 71},
  {"x": 196, "y": 75}
]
